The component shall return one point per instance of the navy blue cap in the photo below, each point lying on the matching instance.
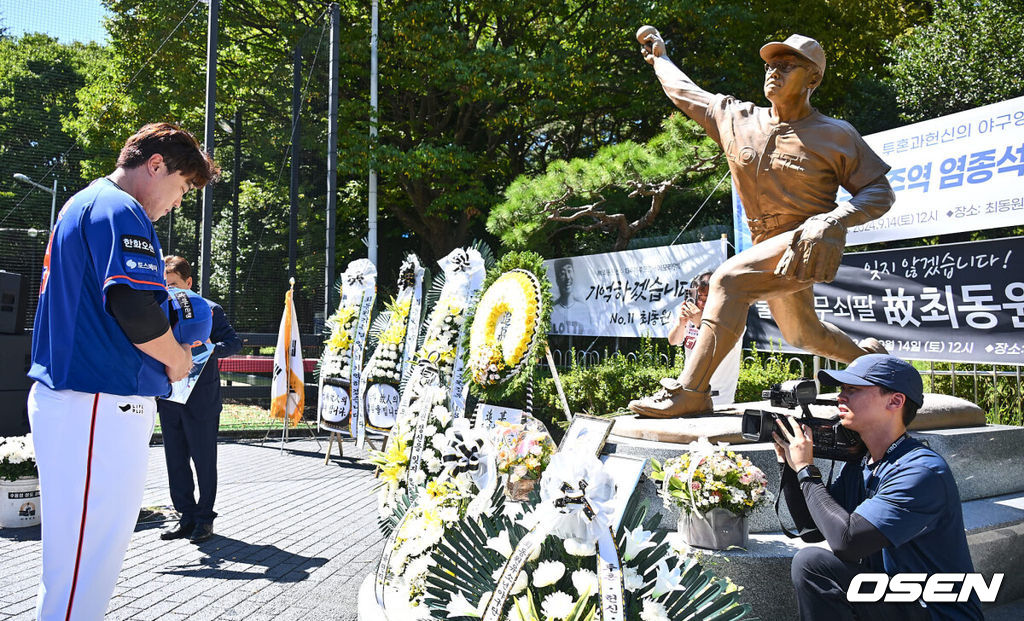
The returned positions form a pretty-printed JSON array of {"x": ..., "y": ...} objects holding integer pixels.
[
  {"x": 190, "y": 316},
  {"x": 879, "y": 370}
]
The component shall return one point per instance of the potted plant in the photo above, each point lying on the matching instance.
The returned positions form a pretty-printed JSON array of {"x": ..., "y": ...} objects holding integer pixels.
[
  {"x": 19, "y": 483},
  {"x": 715, "y": 490}
]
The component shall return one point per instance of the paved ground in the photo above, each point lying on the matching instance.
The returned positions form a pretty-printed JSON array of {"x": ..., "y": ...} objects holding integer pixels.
[{"x": 294, "y": 539}]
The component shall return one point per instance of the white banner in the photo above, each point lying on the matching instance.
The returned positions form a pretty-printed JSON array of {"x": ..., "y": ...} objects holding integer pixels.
[
  {"x": 961, "y": 172},
  {"x": 631, "y": 293}
]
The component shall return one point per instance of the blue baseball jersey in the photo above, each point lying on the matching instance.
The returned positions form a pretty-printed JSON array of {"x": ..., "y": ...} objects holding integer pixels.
[{"x": 103, "y": 237}]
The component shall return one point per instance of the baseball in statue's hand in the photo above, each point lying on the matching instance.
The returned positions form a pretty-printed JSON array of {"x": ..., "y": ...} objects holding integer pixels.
[{"x": 651, "y": 43}]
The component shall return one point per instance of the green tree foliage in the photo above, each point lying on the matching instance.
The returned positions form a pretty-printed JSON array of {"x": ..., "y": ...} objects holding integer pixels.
[
  {"x": 585, "y": 194},
  {"x": 38, "y": 80},
  {"x": 717, "y": 45},
  {"x": 968, "y": 55}
]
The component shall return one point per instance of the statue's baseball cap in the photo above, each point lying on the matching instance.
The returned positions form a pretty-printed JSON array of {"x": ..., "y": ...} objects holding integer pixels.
[
  {"x": 879, "y": 370},
  {"x": 800, "y": 45},
  {"x": 190, "y": 316}
]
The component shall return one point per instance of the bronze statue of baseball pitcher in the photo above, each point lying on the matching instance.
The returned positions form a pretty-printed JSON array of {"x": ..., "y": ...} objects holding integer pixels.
[{"x": 787, "y": 163}]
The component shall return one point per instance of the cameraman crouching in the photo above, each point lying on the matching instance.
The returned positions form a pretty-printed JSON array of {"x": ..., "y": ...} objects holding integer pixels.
[{"x": 896, "y": 511}]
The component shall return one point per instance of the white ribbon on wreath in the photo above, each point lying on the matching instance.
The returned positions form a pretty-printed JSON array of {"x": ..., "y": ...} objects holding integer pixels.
[
  {"x": 464, "y": 273},
  {"x": 576, "y": 502},
  {"x": 361, "y": 277}
]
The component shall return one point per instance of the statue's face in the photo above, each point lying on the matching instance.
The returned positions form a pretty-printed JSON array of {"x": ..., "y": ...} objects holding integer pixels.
[{"x": 786, "y": 77}]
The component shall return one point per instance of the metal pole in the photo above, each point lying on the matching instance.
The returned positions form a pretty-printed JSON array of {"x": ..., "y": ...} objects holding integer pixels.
[
  {"x": 211, "y": 106},
  {"x": 372, "y": 215},
  {"x": 293, "y": 196},
  {"x": 53, "y": 203},
  {"x": 236, "y": 178},
  {"x": 332, "y": 156}
]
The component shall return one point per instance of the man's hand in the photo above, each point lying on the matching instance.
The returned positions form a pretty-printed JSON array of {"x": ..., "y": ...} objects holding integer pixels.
[
  {"x": 796, "y": 447},
  {"x": 180, "y": 367},
  {"x": 815, "y": 252},
  {"x": 651, "y": 43}
]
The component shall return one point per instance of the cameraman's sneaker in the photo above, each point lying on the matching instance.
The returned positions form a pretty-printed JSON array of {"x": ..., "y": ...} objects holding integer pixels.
[
  {"x": 872, "y": 346},
  {"x": 673, "y": 401}
]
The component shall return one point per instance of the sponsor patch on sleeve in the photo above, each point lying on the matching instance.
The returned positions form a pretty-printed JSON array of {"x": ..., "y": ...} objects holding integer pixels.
[
  {"x": 138, "y": 245},
  {"x": 141, "y": 265}
]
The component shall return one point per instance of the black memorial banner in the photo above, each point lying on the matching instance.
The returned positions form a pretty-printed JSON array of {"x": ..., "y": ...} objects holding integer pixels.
[{"x": 953, "y": 302}]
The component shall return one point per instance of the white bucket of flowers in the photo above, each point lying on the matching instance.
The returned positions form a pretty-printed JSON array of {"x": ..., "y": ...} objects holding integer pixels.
[{"x": 19, "y": 483}]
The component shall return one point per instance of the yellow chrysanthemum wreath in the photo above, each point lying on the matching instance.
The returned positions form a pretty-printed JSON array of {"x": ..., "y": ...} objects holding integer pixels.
[{"x": 495, "y": 357}]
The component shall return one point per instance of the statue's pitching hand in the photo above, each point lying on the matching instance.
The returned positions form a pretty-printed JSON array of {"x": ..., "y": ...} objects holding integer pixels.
[
  {"x": 651, "y": 43},
  {"x": 815, "y": 252}
]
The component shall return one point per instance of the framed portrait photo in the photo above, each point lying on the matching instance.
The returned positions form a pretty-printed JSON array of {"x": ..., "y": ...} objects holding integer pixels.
[{"x": 587, "y": 434}]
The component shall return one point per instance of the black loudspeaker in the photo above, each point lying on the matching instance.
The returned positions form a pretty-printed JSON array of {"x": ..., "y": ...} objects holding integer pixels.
[
  {"x": 13, "y": 296},
  {"x": 15, "y": 361},
  {"x": 13, "y": 413}
]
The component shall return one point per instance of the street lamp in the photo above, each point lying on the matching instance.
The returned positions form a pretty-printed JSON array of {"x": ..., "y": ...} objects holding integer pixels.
[{"x": 53, "y": 193}]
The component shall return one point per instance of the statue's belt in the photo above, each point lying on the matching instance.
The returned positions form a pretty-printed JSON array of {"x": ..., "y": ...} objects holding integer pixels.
[{"x": 769, "y": 224}]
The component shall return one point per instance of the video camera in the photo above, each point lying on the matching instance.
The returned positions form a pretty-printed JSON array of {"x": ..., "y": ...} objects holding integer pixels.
[{"x": 831, "y": 439}]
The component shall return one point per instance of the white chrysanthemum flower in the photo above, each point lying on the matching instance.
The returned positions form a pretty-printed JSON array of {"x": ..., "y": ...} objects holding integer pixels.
[
  {"x": 418, "y": 478},
  {"x": 500, "y": 544},
  {"x": 529, "y": 519},
  {"x": 439, "y": 441},
  {"x": 585, "y": 582},
  {"x": 576, "y": 547},
  {"x": 653, "y": 611},
  {"x": 441, "y": 414},
  {"x": 557, "y": 605},
  {"x": 548, "y": 573},
  {"x": 631, "y": 579}
]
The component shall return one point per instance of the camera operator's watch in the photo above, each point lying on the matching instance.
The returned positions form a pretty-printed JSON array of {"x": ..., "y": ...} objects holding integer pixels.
[{"x": 809, "y": 473}]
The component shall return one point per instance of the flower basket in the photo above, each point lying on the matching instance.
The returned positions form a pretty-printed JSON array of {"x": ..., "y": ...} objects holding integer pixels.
[
  {"x": 717, "y": 529},
  {"x": 19, "y": 503},
  {"x": 715, "y": 490}
]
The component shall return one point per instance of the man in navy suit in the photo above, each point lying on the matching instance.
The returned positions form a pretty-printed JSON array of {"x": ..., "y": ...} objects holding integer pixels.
[{"x": 190, "y": 429}]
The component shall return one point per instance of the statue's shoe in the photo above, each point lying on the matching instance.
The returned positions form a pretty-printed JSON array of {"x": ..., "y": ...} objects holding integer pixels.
[
  {"x": 673, "y": 401},
  {"x": 872, "y": 346}
]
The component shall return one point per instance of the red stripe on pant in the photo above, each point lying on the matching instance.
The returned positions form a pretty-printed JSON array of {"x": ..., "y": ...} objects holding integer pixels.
[{"x": 85, "y": 505}]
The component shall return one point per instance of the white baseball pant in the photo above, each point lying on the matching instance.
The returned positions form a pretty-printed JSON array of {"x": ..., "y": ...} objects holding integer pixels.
[{"x": 91, "y": 450}]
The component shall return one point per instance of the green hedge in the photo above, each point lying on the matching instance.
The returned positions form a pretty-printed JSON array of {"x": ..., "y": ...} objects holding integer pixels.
[{"x": 606, "y": 388}]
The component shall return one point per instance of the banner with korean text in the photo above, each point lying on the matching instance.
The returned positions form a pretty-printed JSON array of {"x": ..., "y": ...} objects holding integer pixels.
[
  {"x": 954, "y": 302},
  {"x": 961, "y": 172},
  {"x": 631, "y": 293}
]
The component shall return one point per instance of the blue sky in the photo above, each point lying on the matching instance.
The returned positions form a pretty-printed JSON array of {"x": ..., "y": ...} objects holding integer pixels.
[{"x": 67, "y": 20}]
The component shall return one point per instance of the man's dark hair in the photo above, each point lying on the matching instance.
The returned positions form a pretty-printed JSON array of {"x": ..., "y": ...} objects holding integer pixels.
[
  {"x": 178, "y": 265},
  {"x": 557, "y": 264},
  {"x": 179, "y": 148},
  {"x": 909, "y": 407}
]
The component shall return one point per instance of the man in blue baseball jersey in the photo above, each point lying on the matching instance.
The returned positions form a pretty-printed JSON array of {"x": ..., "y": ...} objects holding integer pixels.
[
  {"x": 102, "y": 350},
  {"x": 190, "y": 428}
]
